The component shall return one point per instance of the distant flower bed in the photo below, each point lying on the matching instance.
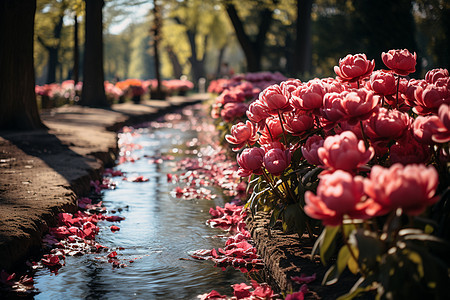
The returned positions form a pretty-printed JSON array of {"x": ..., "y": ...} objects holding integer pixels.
[
  {"x": 55, "y": 94},
  {"x": 360, "y": 160}
]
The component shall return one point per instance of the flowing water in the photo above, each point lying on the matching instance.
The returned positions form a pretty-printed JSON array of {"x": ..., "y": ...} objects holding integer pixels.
[{"x": 157, "y": 234}]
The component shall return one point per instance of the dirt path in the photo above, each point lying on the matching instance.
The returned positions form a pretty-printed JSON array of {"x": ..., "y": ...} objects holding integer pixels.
[{"x": 43, "y": 172}]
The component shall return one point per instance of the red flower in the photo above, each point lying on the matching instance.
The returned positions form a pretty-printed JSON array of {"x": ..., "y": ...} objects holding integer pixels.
[
  {"x": 271, "y": 132},
  {"x": 274, "y": 99},
  {"x": 382, "y": 83},
  {"x": 277, "y": 160},
  {"x": 309, "y": 149},
  {"x": 299, "y": 124},
  {"x": 425, "y": 127},
  {"x": 257, "y": 113},
  {"x": 250, "y": 161},
  {"x": 443, "y": 136},
  {"x": 387, "y": 124},
  {"x": 344, "y": 152},
  {"x": 358, "y": 105},
  {"x": 402, "y": 62},
  {"x": 233, "y": 111},
  {"x": 434, "y": 75},
  {"x": 212, "y": 295},
  {"x": 430, "y": 98},
  {"x": 409, "y": 151},
  {"x": 242, "y": 134},
  {"x": 338, "y": 194},
  {"x": 353, "y": 67},
  {"x": 332, "y": 109},
  {"x": 309, "y": 96},
  {"x": 410, "y": 187}
]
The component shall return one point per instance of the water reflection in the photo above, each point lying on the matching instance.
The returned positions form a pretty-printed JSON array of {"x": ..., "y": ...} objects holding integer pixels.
[{"x": 159, "y": 230}]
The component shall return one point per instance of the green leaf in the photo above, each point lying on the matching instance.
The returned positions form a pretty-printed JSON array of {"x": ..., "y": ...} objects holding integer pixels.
[
  {"x": 342, "y": 259},
  {"x": 327, "y": 245},
  {"x": 369, "y": 247}
]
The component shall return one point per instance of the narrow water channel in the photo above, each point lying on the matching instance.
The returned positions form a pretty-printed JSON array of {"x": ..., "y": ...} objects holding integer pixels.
[{"x": 158, "y": 231}]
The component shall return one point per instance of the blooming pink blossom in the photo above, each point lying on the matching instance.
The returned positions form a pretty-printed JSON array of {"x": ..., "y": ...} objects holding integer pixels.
[
  {"x": 432, "y": 76},
  {"x": 309, "y": 149},
  {"x": 443, "y": 136},
  {"x": 299, "y": 124},
  {"x": 241, "y": 135},
  {"x": 410, "y": 187},
  {"x": 402, "y": 62},
  {"x": 250, "y": 161},
  {"x": 274, "y": 99},
  {"x": 257, "y": 113},
  {"x": 233, "y": 111},
  {"x": 408, "y": 150},
  {"x": 271, "y": 132},
  {"x": 309, "y": 96},
  {"x": 425, "y": 127},
  {"x": 277, "y": 160},
  {"x": 344, "y": 152},
  {"x": 382, "y": 83},
  {"x": 428, "y": 99},
  {"x": 332, "y": 109},
  {"x": 387, "y": 124},
  {"x": 338, "y": 194},
  {"x": 289, "y": 86},
  {"x": 353, "y": 67},
  {"x": 359, "y": 105}
]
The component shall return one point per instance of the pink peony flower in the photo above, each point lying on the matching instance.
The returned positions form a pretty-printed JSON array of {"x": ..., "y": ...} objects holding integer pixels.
[
  {"x": 339, "y": 194},
  {"x": 250, "y": 161},
  {"x": 387, "y": 124},
  {"x": 344, "y": 152},
  {"x": 277, "y": 160},
  {"x": 409, "y": 151},
  {"x": 309, "y": 149},
  {"x": 353, "y": 67},
  {"x": 289, "y": 86},
  {"x": 242, "y": 134},
  {"x": 299, "y": 124},
  {"x": 359, "y": 105},
  {"x": 257, "y": 113},
  {"x": 410, "y": 187},
  {"x": 428, "y": 99},
  {"x": 333, "y": 110},
  {"x": 432, "y": 76},
  {"x": 443, "y": 136},
  {"x": 424, "y": 127},
  {"x": 309, "y": 96},
  {"x": 233, "y": 111},
  {"x": 402, "y": 62},
  {"x": 382, "y": 83},
  {"x": 274, "y": 99},
  {"x": 271, "y": 132}
]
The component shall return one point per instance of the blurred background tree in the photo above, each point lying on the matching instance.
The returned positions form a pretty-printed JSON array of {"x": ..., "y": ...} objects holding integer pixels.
[{"x": 300, "y": 38}]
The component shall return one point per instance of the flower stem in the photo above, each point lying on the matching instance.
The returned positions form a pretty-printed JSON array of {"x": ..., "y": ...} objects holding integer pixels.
[
  {"x": 366, "y": 141},
  {"x": 282, "y": 127},
  {"x": 398, "y": 86}
]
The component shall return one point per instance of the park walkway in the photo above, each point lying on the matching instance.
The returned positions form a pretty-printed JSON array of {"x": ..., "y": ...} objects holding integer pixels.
[{"x": 43, "y": 172}]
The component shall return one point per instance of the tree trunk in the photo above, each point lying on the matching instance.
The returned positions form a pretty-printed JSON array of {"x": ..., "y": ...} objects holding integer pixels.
[
  {"x": 18, "y": 107},
  {"x": 302, "y": 54},
  {"x": 76, "y": 52},
  {"x": 159, "y": 94},
  {"x": 253, "y": 50},
  {"x": 177, "y": 70},
  {"x": 93, "y": 93}
]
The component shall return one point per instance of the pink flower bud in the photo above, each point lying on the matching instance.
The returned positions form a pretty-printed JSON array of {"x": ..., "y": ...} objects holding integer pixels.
[
  {"x": 309, "y": 149},
  {"x": 250, "y": 161},
  {"x": 277, "y": 160},
  {"x": 402, "y": 62}
]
